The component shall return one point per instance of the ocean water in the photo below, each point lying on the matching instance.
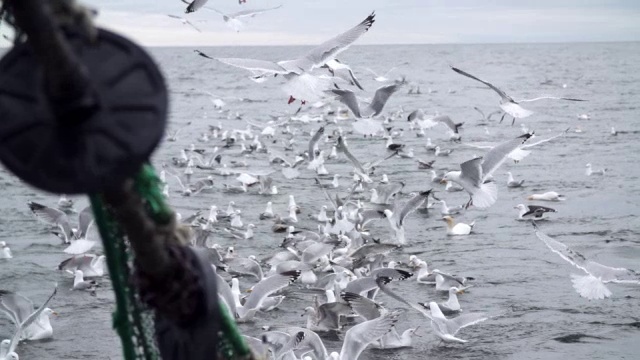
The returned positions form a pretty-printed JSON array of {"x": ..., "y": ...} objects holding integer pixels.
[{"x": 525, "y": 286}]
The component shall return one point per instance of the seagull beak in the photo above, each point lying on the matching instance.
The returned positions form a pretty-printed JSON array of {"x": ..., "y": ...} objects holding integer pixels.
[
  {"x": 55, "y": 313},
  {"x": 249, "y": 290},
  {"x": 460, "y": 292},
  {"x": 443, "y": 181}
]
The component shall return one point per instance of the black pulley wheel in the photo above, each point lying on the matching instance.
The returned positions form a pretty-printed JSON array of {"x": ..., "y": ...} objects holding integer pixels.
[{"x": 74, "y": 156}]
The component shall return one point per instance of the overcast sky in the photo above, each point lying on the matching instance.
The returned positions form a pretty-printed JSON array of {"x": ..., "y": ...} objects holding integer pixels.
[{"x": 397, "y": 21}]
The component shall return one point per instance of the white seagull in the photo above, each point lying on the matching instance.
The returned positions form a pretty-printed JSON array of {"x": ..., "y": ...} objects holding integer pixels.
[
  {"x": 184, "y": 21},
  {"x": 299, "y": 83},
  {"x": 507, "y": 103},
  {"x": 233, "y": 20},
  {"x": 592, "y": 286},
  {"x": 373, "y": 108},
  {"x": 475, "y": 173}
]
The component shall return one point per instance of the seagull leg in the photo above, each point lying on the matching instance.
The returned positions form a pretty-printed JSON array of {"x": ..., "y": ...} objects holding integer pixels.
[
  {"x": 513, "y": 121},
  {"x": 469, "y": 203},
  {"x": 502, "y": 118},
  {"x": 291, "y": 99}
]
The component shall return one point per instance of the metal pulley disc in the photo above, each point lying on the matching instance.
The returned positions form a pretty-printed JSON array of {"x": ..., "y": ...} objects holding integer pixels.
[{"x": 74, "y": 157}]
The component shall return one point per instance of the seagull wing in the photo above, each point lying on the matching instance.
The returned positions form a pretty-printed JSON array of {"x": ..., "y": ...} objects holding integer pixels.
[
  {"x": 493, "y": 87},
  {"x": 250, "y": 13},
  {"x": 195, "y": 5},
  {"x": 416, "y": 114},
  {"x": 444, "y": 119},
  {"x": 245, "y": 266},
  {"x": 496, "y": 156},
  {"x": 314, "y": 140},
  {"x": 533, "y": 209},
  {"x": 226, "y": 295},
  {"x": 348, "y": 98},
  {"x": 268, "y": 286},
  {"x": 454, "y": 325},
  {"x": 412, "y": 205},
  {"x": 363, "y": 334},
  {"x": 362, "y": 306},
  {"x": 328, "y": 50},
  {"x": 342, "y": 147},
  {"x": 549, "y": 98},
  {"x": 381, "y": 97},
  {"x": 192, "y": 25},
  {"x": 480, "y": 111},
  {"x": 544, "y": 140},
  {"x": 84, "y": 220},
  {"x": 254, "y": 65},
  {"x": 354, "y": 79},
  {"x": 472, "y": 170}
]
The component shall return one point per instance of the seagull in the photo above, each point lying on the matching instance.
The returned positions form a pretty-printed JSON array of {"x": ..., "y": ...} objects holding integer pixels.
[
  {"x": 590, "y": 171},
  {"x": 397, "y": 216},
  {"x": 203, "y": 55},
  {"x": 512, "y": 183},
  {"x": 233, "y": 20},
  {"x": 5, "y": 251},
  {"x": 446, "y": 329},
  {"x": 507, "y": 103},
  {"x": 174, "y": 135},
  {"x": 451, "y": 306},
  {"x": 381, "y": 78},
  {"x": 548, "y": 196},
  {"x": 90, "y": 265},
  {"x": 428, "y": 122},
  {"x": 485, "y": 118},
  {"x": 59, "y": 219},
  {"x": 534, "y": 212},
  {"x": 299, "y": 82},
  {"x": 259, "y": 293},
  {"x": 592, "y": 286},
  {"x": 360, "y": 336},
  {"x": 185, "y": 21},
  {"x": 445, "y": 281},
  {"x": 440, "y": 152},
  {"x": 374, "y": 108},
  {"x": 457, "y": 228},
  {"x": 475, "y": 172},
  {"x": 31, "y": 324}
]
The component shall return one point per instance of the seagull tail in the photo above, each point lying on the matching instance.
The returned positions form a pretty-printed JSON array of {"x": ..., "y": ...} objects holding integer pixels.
[
  {"x": 486, "y": 195},
  {"x": 590, "y": 287}
]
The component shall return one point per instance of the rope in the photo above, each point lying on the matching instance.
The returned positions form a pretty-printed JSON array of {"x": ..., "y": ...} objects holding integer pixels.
[{"x": 132, "y": 320}]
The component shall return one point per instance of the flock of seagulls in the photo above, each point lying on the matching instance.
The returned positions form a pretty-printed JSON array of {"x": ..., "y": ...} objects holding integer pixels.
[{"x": 345, "y": 246}]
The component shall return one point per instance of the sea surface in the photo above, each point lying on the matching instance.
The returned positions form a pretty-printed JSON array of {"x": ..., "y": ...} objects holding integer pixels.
[{"x": 518, "y": 280}]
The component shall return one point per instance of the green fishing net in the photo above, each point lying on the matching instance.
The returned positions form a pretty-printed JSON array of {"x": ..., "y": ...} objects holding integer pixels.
[{"x": 134, "y": 321}]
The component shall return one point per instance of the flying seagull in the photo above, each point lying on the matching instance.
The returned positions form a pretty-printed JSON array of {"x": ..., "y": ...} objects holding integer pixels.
[
  {"x": 507, "y": 103},
  {"x": 374, "y": 108},
  {"x": 592, "y": 286},
  {"x": 233, "y": 20},
  {"x": 475, "y": 172},
  {"x": 299, "y": 83},
  {"x": 202, "y": 54},
  {"x": 185, "y": 21}
]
